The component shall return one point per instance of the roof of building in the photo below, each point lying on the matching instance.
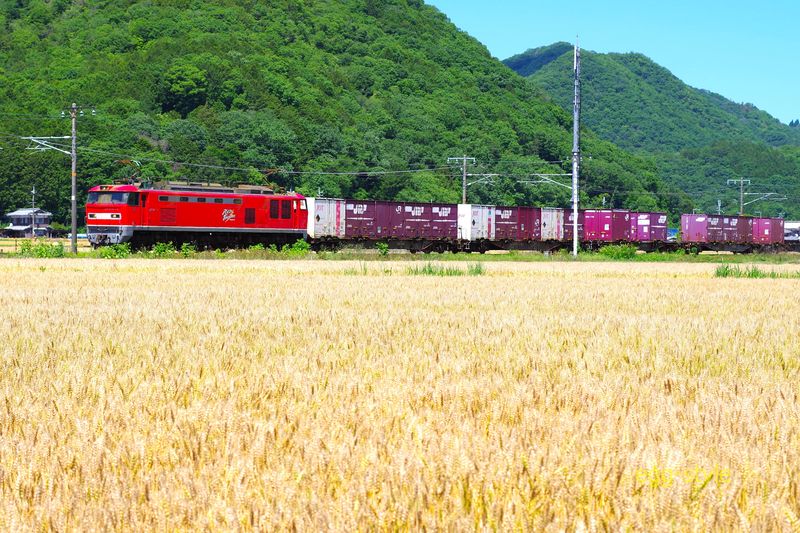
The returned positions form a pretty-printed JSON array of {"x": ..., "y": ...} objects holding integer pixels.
[
  {"x": 18, "y": 228},
  {"x": 28, "y": 211}
]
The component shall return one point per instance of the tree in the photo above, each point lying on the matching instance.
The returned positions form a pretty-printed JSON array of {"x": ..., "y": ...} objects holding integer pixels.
[{"x": 184, "y": 89}]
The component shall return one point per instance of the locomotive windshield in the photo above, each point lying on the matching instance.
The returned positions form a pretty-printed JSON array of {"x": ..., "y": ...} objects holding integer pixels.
[{"x": 116, "y": 198}]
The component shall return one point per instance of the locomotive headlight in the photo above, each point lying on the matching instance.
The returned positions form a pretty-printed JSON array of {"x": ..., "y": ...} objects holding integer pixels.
[{"x": 105, "y": 216}]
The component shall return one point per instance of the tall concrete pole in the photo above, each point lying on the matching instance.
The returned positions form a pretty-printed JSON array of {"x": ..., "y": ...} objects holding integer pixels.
[
  {"x": 464, "y": 180},
  {"x": 73, "y": 112},
  {"x": 576, "y": 151}
]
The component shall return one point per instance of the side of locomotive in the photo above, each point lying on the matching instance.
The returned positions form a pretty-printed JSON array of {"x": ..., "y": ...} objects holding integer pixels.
[{"x": 192, "y": 213}]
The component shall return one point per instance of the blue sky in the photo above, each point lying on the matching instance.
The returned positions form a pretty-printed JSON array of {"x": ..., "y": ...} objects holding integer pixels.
[{"x": 745, "y": 51}]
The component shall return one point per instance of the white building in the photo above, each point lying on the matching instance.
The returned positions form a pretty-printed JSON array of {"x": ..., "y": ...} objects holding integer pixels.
[{"x": 23, "y": 220}]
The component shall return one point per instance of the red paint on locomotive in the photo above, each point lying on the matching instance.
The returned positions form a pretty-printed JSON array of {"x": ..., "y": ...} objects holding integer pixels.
[{"x": 128, "y": 213}]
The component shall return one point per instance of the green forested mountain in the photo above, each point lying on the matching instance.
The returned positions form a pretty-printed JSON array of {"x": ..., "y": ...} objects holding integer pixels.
[
  {"x": 697, "y": 139},
  {"x": 703, "y": 174},
  {"x": 639, "y": 105},
  {"x": 293, "y": 92}
]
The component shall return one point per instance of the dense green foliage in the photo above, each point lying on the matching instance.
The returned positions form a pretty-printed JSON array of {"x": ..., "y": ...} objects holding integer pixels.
[
  {"x": 287, "y": 92},
  {"x": 528, "y": 63},
  {"x": 698, "y": 139},
  {"x": 637, "y": 104},
  {"x": 703, "y": 173}
]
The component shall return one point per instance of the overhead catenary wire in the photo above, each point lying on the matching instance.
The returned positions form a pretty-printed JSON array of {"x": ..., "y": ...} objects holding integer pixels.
[
  {"x": 519, "y": 178},
  {"x": 277, "y": 170}
]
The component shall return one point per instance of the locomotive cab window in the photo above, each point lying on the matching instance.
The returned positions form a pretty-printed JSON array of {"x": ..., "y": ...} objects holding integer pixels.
[
  {"x": 286, "y": 209},
  {"x": 274, "y": 206},
  {"x": 116, "y": 198}
]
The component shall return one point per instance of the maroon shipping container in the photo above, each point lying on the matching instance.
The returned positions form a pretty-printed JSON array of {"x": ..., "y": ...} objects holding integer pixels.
[
  {"x": 768, "y": 230},
  {"x": 360, "y": 220},
  {"x": 568, "y": 225},
  {"x": 430, "y": 221},
  {"x": 530, "y": 224},
  {"x": 737, "y": 229},
  {"x": 591, "y": 224},
  {"x": 444, "y": 222},
  {"x": 648, "y": 227},
  {"x": 506, "y": 223},
  {"x": 694, "y": 228},
  {"x": 517, "y": 223},
  {"x": 714, "y": 231},
  {"x": 716, "y": 228},
  {"x": 607, "y": 225},
  {"x": 401, "y": 220},
  {"x": 620, "y": 225},
  {"x": 659, "y": 228}
]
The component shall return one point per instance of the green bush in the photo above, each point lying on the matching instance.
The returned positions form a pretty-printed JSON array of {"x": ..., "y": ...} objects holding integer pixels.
[
  {"x": 41, "y": 249},
  {"x": 618, "y": 252},
  {"x": 300, "y": 248},
  {"x": 115, "y": 251},
  {"x": 188, "y": 250},
  {"x": 383, "y": 248},
  {"x": 162, "y": 249}
]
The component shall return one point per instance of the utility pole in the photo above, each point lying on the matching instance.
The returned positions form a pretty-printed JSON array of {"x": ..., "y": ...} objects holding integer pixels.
[
  {"x": 576, "y": 154},
  {"x": 719, "y": 206},
  {"x": 33, "y": 213},
  {"x": 463, "y": 160},
  {"x": 47, "y": 143},
  {"x": 73, "y": 113},
  {"x": 760, "y": 195},
  {"x": 741, "y": 182}
]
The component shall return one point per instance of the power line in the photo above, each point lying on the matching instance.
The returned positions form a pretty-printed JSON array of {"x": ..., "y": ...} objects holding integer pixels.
[
  {"x": 520, "y": 178},
  {"x": 761, "y": 195},
  {"x": 42, "y": 143},
  {"x": 463, "y": 160},
  {"x": 28, "y": 115},
  {"x": 248, "y": 169}
]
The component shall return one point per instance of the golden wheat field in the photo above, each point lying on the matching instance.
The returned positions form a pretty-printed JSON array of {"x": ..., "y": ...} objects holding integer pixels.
[{"x": 223, "y": 395}]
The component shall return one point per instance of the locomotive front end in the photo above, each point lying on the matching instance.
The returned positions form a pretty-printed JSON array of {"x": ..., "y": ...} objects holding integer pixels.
[{"x": 111, "y": 214}]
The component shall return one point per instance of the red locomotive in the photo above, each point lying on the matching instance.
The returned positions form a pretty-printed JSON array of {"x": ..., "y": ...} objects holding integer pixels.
[{"x": 204, "y": 214}]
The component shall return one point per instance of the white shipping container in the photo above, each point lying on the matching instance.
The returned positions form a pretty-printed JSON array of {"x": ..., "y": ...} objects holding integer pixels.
[
  {"x": 325, "y": 217},
  {"x": 476, "y": 222},
  {"x": 552, "y": 224}
]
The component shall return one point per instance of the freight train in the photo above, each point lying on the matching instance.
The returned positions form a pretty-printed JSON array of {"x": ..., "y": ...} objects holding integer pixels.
[{"x": 212, "y": 215}]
